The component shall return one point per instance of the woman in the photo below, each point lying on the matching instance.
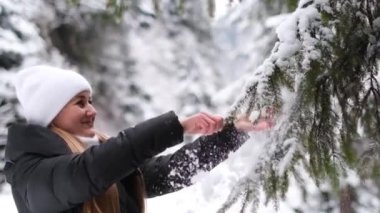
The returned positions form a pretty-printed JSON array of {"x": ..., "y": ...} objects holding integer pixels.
[{"x": 58, "y": 162}]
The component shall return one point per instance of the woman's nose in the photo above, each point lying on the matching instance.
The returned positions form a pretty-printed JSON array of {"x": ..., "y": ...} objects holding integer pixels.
[{"x": 90, "y": 111}]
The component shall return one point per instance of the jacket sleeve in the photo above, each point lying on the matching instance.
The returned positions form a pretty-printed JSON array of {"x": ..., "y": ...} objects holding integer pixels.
[
  {"x": 169, "y": 173},
  {"x": 59, "y": 183}
]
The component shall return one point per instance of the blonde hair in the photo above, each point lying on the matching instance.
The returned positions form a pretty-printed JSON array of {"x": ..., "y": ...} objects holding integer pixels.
[{"x": 108, "y": 202}]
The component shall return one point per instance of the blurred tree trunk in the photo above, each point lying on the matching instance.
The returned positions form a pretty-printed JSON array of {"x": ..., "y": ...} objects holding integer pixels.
[
  {"x": 211, "y": 8},
  {"x": 346, "y": 199}
]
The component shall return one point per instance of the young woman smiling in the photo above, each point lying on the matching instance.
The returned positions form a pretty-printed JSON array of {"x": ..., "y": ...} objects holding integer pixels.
[{"x": 58, "y": 161}]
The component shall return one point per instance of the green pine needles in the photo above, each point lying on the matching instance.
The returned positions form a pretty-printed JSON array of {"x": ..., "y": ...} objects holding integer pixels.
[{"x": 322, "y": 80}]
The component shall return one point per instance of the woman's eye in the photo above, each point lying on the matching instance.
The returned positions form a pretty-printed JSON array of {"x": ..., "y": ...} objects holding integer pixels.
[
  {"x": 81, "y": 103},
  {"x": 90, "y": 102}
]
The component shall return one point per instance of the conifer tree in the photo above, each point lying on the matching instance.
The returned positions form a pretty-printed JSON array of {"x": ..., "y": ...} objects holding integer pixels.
[
  {"x": 14, "y": 33},
  {"x": 321, "y": 80}
]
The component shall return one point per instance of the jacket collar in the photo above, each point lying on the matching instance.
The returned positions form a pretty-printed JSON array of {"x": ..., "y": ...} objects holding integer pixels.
[{"x": 33, "y": 139}]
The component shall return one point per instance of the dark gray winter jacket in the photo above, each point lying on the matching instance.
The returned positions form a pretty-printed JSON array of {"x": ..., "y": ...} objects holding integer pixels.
[{"x": 46, "y": 177}]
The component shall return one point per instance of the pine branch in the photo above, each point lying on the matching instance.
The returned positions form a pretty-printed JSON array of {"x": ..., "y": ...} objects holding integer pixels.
[{"x": 326, "y": 72}]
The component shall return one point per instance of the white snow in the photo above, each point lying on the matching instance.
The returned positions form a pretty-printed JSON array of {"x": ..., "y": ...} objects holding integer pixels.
[
  {"x": 243, "y": 44},
  {"x": 212, "y": 188},
  {"x": 7, "y": 204}
]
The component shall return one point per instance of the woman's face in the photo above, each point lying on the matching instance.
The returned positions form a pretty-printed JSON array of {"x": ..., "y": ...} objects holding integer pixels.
[{"x": 78, "y": 116}]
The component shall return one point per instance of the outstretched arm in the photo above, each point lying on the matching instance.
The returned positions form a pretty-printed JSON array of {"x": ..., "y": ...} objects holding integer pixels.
[
  {"x": 54, "y": 180},
  {"x": 169, "y": 173},
  {"x": 165, "y": 174}
]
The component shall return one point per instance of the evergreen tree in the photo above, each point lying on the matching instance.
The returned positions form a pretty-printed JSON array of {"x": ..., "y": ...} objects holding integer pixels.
[
  {"x": 321, "y": 80},
  {"x": 16, "y": 33},
  {"x": 182, "y": 50}
]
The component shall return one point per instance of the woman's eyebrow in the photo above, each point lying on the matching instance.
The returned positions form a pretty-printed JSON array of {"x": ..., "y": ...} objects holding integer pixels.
[
  {"x": 82, "y": 97},
  {"x": 78, "y": 98}
]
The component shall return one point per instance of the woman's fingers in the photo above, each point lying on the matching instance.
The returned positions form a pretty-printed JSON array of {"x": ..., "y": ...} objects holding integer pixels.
[
  {"x": 244, "y": 124},
  {"x": 216, "y": 120},
  {"x": 202, "y": 123},
  {"x": 262, "y": 124},
  {"x": 201, "y": 126},
  {"x": 212, "y": 124}
]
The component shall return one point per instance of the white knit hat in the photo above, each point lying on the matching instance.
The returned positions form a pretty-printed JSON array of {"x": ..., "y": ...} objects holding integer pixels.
[{"x": 43, "y": 91}]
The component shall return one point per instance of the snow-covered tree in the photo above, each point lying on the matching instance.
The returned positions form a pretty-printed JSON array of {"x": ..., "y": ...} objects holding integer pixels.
[
  {"x": 245, "y": 36},
  {"x": 321, "y": 80},
  {"x": 133, "y": 52},
  {"x": 19, "y": 43}
]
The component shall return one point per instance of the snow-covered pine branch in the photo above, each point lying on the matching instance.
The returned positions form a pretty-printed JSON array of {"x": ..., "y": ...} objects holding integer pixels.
[{"x": 321, "y": 80}]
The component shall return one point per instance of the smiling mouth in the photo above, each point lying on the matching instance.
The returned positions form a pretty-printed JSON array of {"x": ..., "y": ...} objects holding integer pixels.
[{"x": 89, "y": 123}]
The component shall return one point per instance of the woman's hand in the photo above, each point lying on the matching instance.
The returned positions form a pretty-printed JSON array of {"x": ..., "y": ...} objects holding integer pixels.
[
  {"x": 202, "y": 123},
  {"x": 244, "y": 124},
  {"x": 264, "y": 122}
]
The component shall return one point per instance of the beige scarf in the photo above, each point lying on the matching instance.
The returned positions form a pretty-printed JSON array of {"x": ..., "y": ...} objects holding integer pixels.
[{"x": 108, "y": 202}]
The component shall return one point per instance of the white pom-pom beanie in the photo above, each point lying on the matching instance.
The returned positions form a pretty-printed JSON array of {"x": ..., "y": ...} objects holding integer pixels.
[{"x": 43, "y": 91}]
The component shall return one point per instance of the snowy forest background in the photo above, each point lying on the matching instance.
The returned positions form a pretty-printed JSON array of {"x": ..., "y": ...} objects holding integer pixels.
[{"x": 310, "y": 60}]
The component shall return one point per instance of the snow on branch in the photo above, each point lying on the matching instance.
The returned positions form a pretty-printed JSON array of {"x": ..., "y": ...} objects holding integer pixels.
[{"x": 321, "y": 81}]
